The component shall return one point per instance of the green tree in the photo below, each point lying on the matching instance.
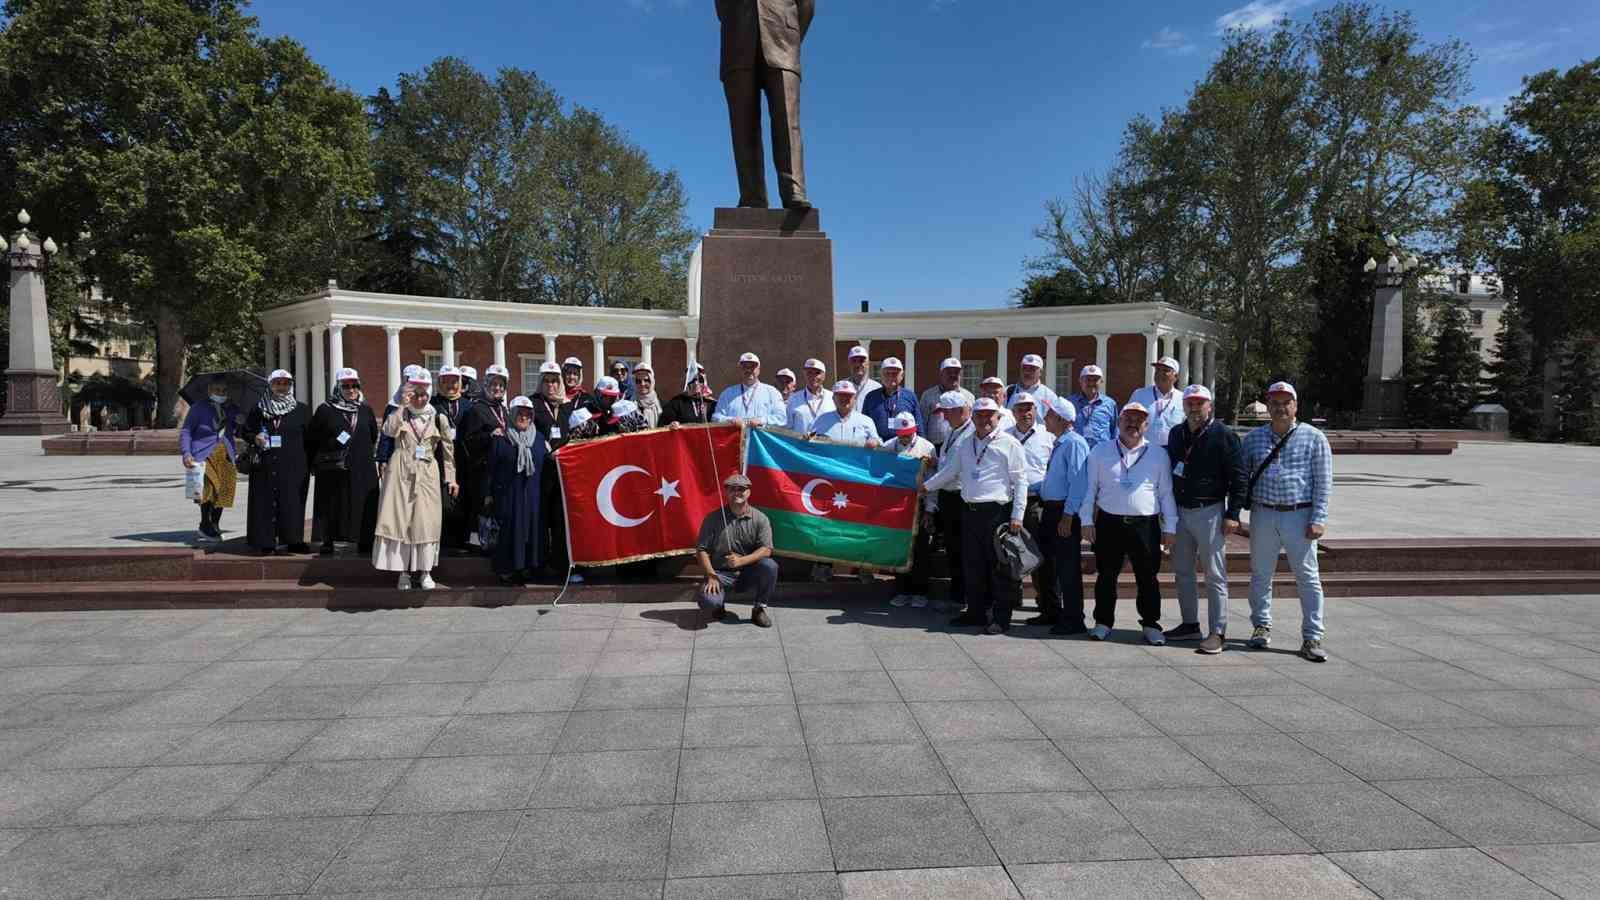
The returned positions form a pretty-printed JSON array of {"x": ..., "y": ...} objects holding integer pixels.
[
  {"x": 1449, "y": 377},
  {"x": 1512, "y": 381},
  {"x": 216, "y": 170},
  {"x": 1576, "y": 396},
  {"x": 1063, "y": 287}
]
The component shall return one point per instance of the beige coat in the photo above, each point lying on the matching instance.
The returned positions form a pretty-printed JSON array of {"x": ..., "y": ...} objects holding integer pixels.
[{"x": 410, "y": 510}]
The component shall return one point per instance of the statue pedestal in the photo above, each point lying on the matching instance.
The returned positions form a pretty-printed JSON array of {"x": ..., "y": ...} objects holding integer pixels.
[
  {"x": 33, "y": 403},
  {"x": 1382, "y": 404},
  {"x": 766, "y": 286}
]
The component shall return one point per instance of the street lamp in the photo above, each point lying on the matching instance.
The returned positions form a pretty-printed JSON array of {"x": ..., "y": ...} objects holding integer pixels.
[{"x": 33, "y": 396}]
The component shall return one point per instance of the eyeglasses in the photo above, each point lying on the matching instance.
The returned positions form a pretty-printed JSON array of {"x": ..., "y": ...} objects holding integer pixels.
[{"x": 350, "y": 384}]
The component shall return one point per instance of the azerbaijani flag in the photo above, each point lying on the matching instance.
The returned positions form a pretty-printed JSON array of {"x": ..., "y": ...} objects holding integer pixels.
[{"x": 832, "y": 502}]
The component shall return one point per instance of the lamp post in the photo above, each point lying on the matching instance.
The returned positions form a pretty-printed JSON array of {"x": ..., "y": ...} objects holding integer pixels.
[
  {"x": 1383, "y": 390},
  {"x": 33, "y": 395}
]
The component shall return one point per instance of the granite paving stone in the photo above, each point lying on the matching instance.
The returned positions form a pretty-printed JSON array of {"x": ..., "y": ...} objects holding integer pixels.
[
  {"x": 442, "y": 669},
  {"x": 974, "y": 720},
  {"x": 339, "y": 671},
  {"x": 1124, "y": 880},
  {"x": 412, "y": 700},
  {"x": 1262, "y": 758},
  {"x": 333, "y": 788},
  {"x": 959, "y": 883},
  {"x": 1057, "y": 827},
  {"x": 1487, "y": 811},
  {"x": 720, "y": 661},
  {"x": 1567, "y": 870},
  {"x": 1413, "y": 709},
  {"x": 1385, "y": 755},
  {"x": 610, "y": 843},
  {"x": 265, "y": 856},
  {"x": 1072, "y": 719},
  {"x": 376, "y": 738},
  {"x": 983, "y": 767},
  {"x": 745, "y": 773},
  {"x": 608, "y": 778},
  {"x": 1196, "y": 715},
  {"x": 96, "y": 861},
  {"x": 741, "y": 689},
  {"x": 33, "y": 798},
  {"x": 1061, "y": 683},
  {"x": 1577, "y": 794},
  {"x": 1308, "y": 714},
  {"x": 565, "y": 662},
  {"x": 421, "y": 853},
  {"x": 904, "y": 832},
  {"x": 1504, "y": 751},
  {"x": 1268, "y": 877},
  {"x": 635, "y": 692},
  {"x": 514, "y": 733},
  {"x": 945, "y": 684},
  {"x": 168, "y": 793},
  {"x": 300, "y": 702},
  {"x": 794, "y": 886},
  {"x": 537, "y": 695},
  {"x": 1205, "y": 822},
  {"x": 1148, "y": 681},
  {"x": 106, "y": 747},
  {"x": 621, "y": 729},
  {"x": 465, "y": 783},
  {"x": 748, "y": 837},
  {"x": 1349, "y": 816},
  {"x": 1447, "y": 874},
  {"x": 742, "y": 726},
  {"x": 1147, "y": 762},
  {"x": 1520, "y": 707},
  {"x": 243, "y": 742},
  {"x": 575, "y": 890},
  {"x": 856, "y": 723},
  {"x": 873, "y": 770},
  {"x": 868, "y": 686}
]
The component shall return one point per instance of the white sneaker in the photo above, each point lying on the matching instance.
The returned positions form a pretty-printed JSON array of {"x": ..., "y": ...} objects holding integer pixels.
[
  {"x": 899, "y": 600},
  {"x": 918, "y": 601},
  {"x": 405, "y": 581},
  {"x": 575, "y": 578},
  {"x": 1154, "y": 637},
  {"x": 427, "y": 581},
  {"x": 1099, "y": 632}
]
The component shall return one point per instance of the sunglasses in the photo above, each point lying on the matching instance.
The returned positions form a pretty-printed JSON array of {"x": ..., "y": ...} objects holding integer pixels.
[{"x": 350, "y": 384}]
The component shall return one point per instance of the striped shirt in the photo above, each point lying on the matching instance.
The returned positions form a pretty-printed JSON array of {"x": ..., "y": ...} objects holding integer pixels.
[{"x": 1301, "y": 473}]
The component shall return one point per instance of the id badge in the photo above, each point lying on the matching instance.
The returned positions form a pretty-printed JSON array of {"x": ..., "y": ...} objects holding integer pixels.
[
  {"x": 1127, "y": 483},
  {"x": 555, "y": 434},
  {"x": 1177, "y": 470},
  {"x": 420, "y": 452},
  {"x": 275, "y": 442},
  {"x": 344, "y": 437}
]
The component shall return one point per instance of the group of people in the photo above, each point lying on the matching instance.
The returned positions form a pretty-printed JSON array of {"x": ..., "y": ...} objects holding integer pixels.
[{"x": 457, "y": 467}]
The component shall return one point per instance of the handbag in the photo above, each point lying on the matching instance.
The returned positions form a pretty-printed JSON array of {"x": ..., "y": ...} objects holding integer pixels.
[
  {"x": 335, "y": 460},
  {"x": 247, "y": 458}
]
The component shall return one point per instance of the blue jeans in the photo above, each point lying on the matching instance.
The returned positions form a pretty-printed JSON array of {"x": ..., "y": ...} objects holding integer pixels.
[
  {"x": 761, "y": 577},
  {"x": 1200, "y": 538},
  {"x": 1271, "y": 531}
]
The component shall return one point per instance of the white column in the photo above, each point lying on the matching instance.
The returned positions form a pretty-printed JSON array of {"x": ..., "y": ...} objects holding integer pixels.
[
  {"x": 283, "y": 361},
  {"x": 499, "y": 347},
  {"x": 955, "y": 347},
  {"x": 447, "y": 346},
  {"x": 1051, "y": 360},
  {"x": 335, "y": 347},
  {"x": 689, "y": 346},
  {"x": 1163, "y": 344},
  {"x": 1199, "y": 353},
  {"x": 644, "y": 351},
  {"x": 599, "y": 356},
  {"x": 393, "y": 347},
  {"x": 1100, "y": 341},
  {"x": 319, "y": 367},
  {"x": 1152, "y": 348},
  {"x": 1180, "y": 348},
  {"x": 550, "y": 348},
  {"x": 300, "y": 386},
  {"x": 911, "y": 364},
  {"x": 1002, "y": 347},
  {"x": 866, "y": 345},
  {"x": 267, "y": 347},
  {"x": 1211, "y": 367}
]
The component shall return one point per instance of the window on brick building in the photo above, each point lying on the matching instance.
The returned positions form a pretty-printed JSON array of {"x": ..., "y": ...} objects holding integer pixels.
[
  {"x": 1066, "y": 380},
  {"x": 530, "y": 372},
  {"x": 971, "y": 375},
  {"x": 433, "y": 360}
]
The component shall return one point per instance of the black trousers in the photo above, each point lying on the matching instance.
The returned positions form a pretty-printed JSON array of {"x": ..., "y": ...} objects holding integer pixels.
[
  {"x": 1136, "y": 539},
  {"x": 991, "y": 592},
  {"x": 916, "y": 580},
  {"x": 1064, "y": 555},
  {"x": 951, "y": 513},
  {"x": 1044, "y": 575}
]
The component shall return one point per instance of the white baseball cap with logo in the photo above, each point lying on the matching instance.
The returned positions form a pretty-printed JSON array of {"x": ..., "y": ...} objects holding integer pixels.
[
  {"x": 469, "y": 372},
  {"x": 785, "y": 373},
  {"x": 1021, "y": 397},
  {"x": 1197, "y": 390},
  {"x": 1032, "y": 359},
  {"x": 572, "y": 361},
  {"x": 891, "y": 363},
  {"x": 953, "y": 400},
  {"x": 1283, "y": 387},
  {"x": 748, "y": 357},
  {"x": 1167, "y": 361},
  {"x": 502, "y": 371},
  {"x": 950, "y": 362},
  {"x": 346, "y": 375},
  {"x": 549, "y": 367},
  {"x": 1063, "y": 407},
  {"x": 817, "y": 364},
  {"x": 858, "y": 352},
  {"x": 421, "y": 376},
  {"x": 1091, "y": 370},
  {"x": 904, "y": 423},
  {"x": 985, "y": 404},
  {"x": 1135, "y": 407},
  {"x": 844, "y": 387}
]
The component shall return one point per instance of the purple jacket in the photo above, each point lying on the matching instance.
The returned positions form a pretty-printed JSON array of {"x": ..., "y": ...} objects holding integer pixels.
[{"x": 199, "y": 435}]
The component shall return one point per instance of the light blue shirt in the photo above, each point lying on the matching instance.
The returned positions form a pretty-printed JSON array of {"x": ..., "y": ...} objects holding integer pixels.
[
  {"x": 854, "y": 429},
  {"x": 760, "y": 402},
  {"x": 1067, "y": 477},
  {"x": 1165, "y": 412},
  {"x": 804, "y": 409},
  {"x": 1097, "y": 421},
  {"x": 1302, "y": 472}
]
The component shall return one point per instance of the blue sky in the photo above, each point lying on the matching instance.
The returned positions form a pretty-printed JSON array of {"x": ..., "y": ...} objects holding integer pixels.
[{"x": 935, "y": 129}]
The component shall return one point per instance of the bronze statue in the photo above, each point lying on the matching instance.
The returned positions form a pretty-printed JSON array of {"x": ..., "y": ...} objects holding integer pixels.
[{"x": 761, "y": 54}]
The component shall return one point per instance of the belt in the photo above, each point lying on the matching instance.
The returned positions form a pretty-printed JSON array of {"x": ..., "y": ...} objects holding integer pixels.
[
  {"x": 1200, "y": 504},
  {"x": 988, "y": 503},
  {"x": 1129, "y": 520},
  {"x": 1054, "y": 504},
  {"x": 1284, "y": 507}
]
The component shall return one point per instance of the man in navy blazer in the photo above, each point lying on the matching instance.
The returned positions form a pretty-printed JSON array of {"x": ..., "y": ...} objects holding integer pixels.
[{"x": 761, "y": 54}]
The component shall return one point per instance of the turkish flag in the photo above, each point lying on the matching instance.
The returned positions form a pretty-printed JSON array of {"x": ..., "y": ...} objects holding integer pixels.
[{"x": 643, "y": 495}]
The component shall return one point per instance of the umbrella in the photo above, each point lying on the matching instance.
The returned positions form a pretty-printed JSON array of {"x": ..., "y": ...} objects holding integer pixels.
[{"x": 245, "y": 388}]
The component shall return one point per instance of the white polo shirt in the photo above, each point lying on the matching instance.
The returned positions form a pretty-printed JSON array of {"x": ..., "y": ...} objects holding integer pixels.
[
  {"x": 1124, "y": 482},
  {"x": 1036, "y": 445},
  {"x": 990, "y": 470}
]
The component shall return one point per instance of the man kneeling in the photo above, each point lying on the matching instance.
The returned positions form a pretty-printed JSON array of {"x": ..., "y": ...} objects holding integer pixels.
[{"x": 735, "y": 553}]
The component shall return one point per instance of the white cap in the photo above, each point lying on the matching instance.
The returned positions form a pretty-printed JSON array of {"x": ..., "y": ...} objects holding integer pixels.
[
  {"x": 1089, "y": 370},
  {"x": 892, "y": 363},
  {"x": 785, "y": 373},
  {"x": 1063, "y": 407},
  {"x": 421, "y": 376},
  {"x": 449, "y": 371},
  {"x": 985, "y": 404},
  {"x": 645, "y": 366},
  {"x": 469, "y": 372},
  {"x": 953, "y": 400},
  {"x": 844, "y": 387},
  {"x": 520, "y": 402},
  {"x": 858, "y": 352},
  {"x": 950, "y": 362},
  {"x": 1283, "y": 387},
  {"x": 993, "y": 379},
  {"x": 817, "y": 364},
  {"x": 406, "y": 373},
  {"x": 1023, "y": 397},
  {"x": 578, "y": 417},
  {"x": 748, "y": 357},
  {"x": 624, "y": 408},
  {"x": 1197, "y": 390},
  {"x": 572, "y": 361},
  {"x": 280, "y": 373},
  {"x": 1032, "y": 359},
  {"x": 346, "y": 374},
  {"x": 605, "y": 384},
  {"x": 498, "y": 370},
  {"x": 550, "y": 367},
  {"x": 903, "y": 423},
  {"x": 1135, "y": 407},
  {"x": 1167, "y": 361}
]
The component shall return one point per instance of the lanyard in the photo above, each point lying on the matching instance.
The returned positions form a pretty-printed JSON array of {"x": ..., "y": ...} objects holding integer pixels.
[
  {"x": 277, "y": 423},
  {"x": 1189, "y": 451},
  {"x": 1160, "y": 405},
  {"x": 498, "y": 410},
  {"x": 351, "y": 418},
  {"x": 419, "y": 432},
  {"x": 980, "y": 454},
  {"x": 746, "y": 397},
  {"x": 1025, "y": 437},
  {"x": 814, "y": 405},
  {"x": 1127, "y": 466}
]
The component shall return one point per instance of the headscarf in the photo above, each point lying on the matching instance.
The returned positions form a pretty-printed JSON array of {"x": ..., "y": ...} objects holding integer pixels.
[
  {"x": 625, "y": 383},
  {"x": 273, "y": 405},
  {"x": 523, "y": 439},
  {"x": 337, "y": 401},
  {"x": 649, "y": 406}
]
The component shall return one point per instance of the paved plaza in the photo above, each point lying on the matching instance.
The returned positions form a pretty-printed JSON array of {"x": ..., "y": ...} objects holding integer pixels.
[
  {"x": 1482, "y": 490},
  {"x": 1450, "y": 749}
]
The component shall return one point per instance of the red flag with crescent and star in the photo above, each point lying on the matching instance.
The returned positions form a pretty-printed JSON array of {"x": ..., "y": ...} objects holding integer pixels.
[{"x": 643, "y": 495}]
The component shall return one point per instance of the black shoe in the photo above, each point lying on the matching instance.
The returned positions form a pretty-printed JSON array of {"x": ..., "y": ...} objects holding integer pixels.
[
  {"x": 1046, "y": 619},
  {"x": 760, "y": 617},
  {"x": 327, "y": 550},
  {"x": 968, "y": 620},
  {"x": 1188, "y": 631},
  {"x": 509, "y": 580},
  {"x": 300, "y": 548},
  {"x": 996, "y": 628},
  {"x": 1067, "y": 628}
]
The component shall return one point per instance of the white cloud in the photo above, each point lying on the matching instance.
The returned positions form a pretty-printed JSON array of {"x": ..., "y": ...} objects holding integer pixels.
[
  {"x": 1258, "y": 14},
  {"x": 1513, "y": 51},
  {"x": 1170, "y": 40}
]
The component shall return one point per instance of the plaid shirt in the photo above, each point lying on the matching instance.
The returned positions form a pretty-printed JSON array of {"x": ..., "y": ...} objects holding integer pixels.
[{"x": 1301, "y": 473}]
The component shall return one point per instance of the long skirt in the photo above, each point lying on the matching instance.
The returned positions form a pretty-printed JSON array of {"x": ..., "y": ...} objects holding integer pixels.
[
  {"x": 222, "y": 479},
  {"x": 390, "y": 555}
]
